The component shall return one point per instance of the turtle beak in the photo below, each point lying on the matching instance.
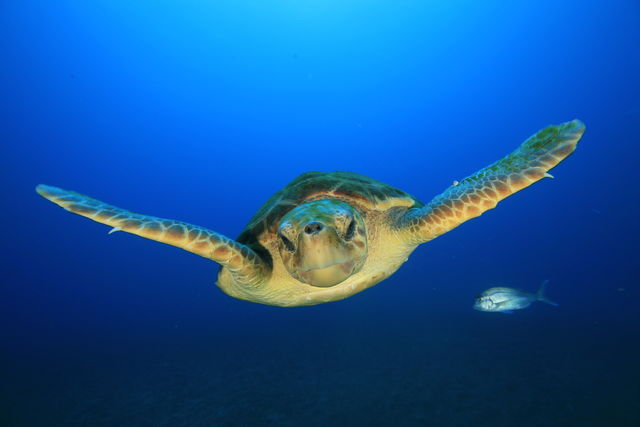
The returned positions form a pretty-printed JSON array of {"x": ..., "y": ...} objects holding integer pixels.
[
  {"x": 323, "y": 242},
  {"x": 323, "y": 259}
]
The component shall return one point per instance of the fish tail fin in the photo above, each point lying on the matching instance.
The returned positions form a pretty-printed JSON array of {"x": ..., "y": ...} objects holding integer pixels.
[{"x": 542, "y": 297}]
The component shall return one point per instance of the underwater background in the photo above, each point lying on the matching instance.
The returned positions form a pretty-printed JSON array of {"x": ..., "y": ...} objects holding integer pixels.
[{"x": 200, "y": 110}]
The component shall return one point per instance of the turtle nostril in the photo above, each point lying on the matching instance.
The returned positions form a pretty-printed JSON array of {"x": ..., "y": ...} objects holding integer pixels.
[{"x": 313, "y": 228}]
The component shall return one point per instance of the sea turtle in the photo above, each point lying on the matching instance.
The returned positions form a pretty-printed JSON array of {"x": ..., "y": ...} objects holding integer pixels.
[{"x": 327, "y": 236}]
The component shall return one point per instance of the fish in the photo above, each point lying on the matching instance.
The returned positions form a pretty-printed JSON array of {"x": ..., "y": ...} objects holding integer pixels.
[{"x": 505, "y": 300}]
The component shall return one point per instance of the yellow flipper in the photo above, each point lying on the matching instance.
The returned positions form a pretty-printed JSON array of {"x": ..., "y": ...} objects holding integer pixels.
[
  {"x": 483, "y": 190},
  {"x": 244, "y": 264}
]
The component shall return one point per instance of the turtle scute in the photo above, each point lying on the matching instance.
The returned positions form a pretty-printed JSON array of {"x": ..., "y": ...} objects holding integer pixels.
[{"x": 355, "y": 189}]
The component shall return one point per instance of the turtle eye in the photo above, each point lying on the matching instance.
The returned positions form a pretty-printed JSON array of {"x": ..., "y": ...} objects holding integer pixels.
[
  {"x": 350, "y": 230},
  {"x": 287, "y": 243}
]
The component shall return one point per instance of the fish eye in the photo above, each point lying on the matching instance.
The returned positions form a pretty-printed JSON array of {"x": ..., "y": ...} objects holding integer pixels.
[
  {"x": 350, "y": 230},
  {"x": 287, "y": 243}
]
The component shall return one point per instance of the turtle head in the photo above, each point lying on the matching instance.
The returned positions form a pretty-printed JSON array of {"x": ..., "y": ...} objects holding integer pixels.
[{"x": 323, "y": 242}]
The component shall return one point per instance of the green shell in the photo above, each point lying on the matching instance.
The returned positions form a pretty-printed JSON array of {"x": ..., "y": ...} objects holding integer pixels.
[{"x": 351, "y": 187}]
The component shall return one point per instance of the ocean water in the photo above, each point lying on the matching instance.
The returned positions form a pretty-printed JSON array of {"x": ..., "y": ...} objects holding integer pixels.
[{"x": 199, "y": 111}]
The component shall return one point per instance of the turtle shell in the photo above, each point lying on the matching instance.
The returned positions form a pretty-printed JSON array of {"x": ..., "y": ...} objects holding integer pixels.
[{"x": 355, "y": 189}]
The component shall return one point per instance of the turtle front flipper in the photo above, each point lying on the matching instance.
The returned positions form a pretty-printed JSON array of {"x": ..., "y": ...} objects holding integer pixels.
[
  {"x": 244, "y": 264},
  {"x": 483, "y": 190}
]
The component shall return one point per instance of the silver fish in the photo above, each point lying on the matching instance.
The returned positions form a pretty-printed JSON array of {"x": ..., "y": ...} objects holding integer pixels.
[{"x": 505, "y": 300}]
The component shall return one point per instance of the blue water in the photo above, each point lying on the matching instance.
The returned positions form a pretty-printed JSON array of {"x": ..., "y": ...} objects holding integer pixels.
[{"x": 199, "y": 111}]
